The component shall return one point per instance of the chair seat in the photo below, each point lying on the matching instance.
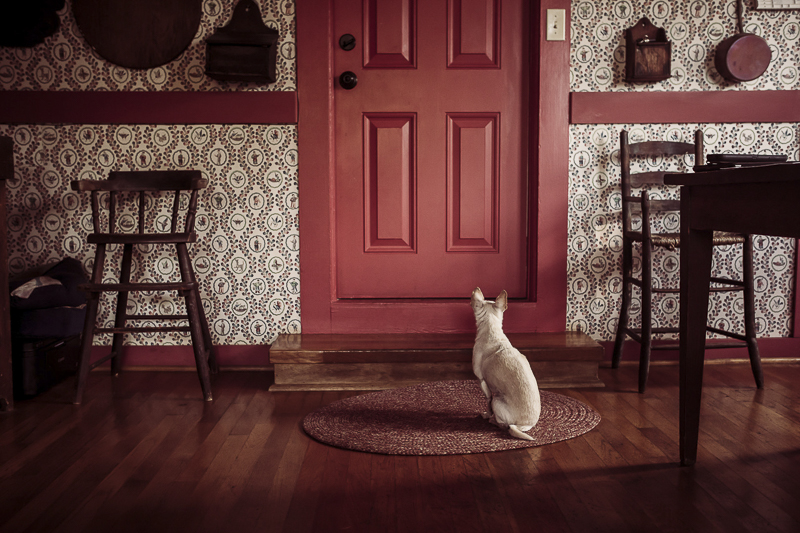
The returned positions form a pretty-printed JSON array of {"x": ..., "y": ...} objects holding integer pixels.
[
  {"x": 673, "y": 240},
  {"x": 141, "y": 238}
]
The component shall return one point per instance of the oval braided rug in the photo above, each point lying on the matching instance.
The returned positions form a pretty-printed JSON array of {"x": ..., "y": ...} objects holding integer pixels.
[{"x": 438, "y": 418}]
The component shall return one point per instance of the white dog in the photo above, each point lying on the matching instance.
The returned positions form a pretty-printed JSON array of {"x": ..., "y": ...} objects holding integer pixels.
[{"x": 505, "y": 374}]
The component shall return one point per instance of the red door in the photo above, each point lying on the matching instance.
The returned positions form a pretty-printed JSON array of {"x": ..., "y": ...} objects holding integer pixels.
[{"x": 431, "y": 148}]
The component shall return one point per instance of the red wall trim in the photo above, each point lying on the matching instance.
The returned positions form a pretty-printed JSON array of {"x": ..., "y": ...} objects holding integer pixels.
[
  {"x": 550, "y": 156},
  {"x": 681, "y": 107},
  {"x": 142, "y": 107},
  {"x": 322, "y": 312},
  {"x": 258, "y": 356},
  {"x": 232, "y": 355},
  {"x": 315, "y": 162}
]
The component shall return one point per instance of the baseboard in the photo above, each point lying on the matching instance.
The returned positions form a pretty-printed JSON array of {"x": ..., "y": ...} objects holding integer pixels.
[
  {"x": 774, "y": 350},
  {"x": 727, "y": 361},
  {"x": 182, "y": 368},
  {"x": 253, "y": 356},
  {"x": 771, "y": 348}
]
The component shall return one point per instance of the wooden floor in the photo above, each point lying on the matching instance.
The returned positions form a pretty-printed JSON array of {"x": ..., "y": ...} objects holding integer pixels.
[{"x": 144, "y": 453}]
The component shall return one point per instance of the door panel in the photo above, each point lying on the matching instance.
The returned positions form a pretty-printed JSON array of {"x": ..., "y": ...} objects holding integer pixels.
[
  {"x": 473, "y": 28},
  {"x": 473, "y": 220},
  {"x": 389, "y": 182},
  {"x": 390, "y": 34},
  {"x": 431, "y": 149}
]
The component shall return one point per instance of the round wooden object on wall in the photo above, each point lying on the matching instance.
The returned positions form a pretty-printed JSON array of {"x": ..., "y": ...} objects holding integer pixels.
[
  {"x": 138, "y": 34},
  {"x": 743, "y": 57}
]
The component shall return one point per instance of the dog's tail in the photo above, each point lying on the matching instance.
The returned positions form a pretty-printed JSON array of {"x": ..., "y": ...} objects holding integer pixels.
[{"x": 516, "y": 432}]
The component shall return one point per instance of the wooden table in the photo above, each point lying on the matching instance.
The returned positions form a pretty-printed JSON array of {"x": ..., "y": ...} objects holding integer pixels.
[{"x": 763, "y": 200}]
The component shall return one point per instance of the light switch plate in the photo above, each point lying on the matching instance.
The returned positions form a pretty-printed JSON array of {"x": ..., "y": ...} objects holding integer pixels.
[{"x": 556, "y": 24}]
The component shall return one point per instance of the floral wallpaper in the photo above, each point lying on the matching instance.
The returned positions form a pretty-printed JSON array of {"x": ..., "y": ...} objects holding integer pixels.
[
  {"x": 65, "y": 62},
  {"x": 595, "y": 227},
  {"x": 694, "y": 28},
  {"x": 595, "y": 230},
  {"x": 246, "y": 254}
]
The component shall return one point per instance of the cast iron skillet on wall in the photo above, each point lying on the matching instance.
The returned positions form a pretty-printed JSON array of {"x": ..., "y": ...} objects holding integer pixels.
[
  {"x": 138, "y": 34},
  {"x": 743, "y": 57}
]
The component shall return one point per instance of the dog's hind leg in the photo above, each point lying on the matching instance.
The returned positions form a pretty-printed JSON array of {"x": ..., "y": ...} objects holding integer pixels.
[
  {"x": 489, "y": 413},
  {"x": 485, "y": 388}
]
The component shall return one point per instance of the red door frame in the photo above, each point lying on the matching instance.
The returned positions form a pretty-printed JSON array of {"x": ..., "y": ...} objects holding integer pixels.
[{"x": 320, "y": 310}]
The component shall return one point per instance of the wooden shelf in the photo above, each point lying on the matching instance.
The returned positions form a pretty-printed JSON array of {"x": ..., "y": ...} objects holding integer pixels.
[
  {"x": 148, "y": 107},
  {"x": 681, "y": 107}
]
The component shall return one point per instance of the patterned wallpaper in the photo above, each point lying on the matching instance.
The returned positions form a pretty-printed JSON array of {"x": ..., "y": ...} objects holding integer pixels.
[
  {"x": 595, "y": 231},
  {"x": 246, "y": 256},
  {"x": 694, "y": 28},
  {"x": 65, "y": 62}
]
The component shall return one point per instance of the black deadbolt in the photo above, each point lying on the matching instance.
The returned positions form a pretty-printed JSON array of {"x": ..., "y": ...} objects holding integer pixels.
[
  {"x": 348, "y": 80},
  {"x": 347, "y": 42}
]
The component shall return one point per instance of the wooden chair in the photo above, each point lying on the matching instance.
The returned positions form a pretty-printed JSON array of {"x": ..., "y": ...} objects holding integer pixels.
[
  {"x": 641, "y": 205},
  {"x": 131, "y": 188}
]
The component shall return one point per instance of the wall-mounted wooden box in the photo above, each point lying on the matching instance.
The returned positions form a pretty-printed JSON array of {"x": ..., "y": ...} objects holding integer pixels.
[
  {"x": 648, "y": 53},
  {"x": 243, "y": 50}
]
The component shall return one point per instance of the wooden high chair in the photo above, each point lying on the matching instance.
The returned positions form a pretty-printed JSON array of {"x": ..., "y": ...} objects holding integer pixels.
[{"x": 131, "y": 188}]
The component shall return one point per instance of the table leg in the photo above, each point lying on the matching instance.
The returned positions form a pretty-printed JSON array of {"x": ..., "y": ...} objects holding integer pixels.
[{"x": 696, "y": 250}]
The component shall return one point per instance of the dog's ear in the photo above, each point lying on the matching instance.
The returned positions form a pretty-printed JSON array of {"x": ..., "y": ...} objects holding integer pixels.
[
  {"x": 502, "y": 301},
  {"x": 477, "y": 295}
]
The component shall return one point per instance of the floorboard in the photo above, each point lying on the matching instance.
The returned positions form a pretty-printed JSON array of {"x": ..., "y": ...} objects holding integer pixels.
[{"x": 145, "y": 453}]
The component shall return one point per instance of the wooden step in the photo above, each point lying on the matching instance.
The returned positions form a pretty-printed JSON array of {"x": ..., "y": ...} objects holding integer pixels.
[{"x": 377, "y": 362}]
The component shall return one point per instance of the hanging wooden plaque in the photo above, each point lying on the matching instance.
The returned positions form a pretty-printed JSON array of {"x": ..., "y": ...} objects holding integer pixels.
[
  {"x": 243, "y": 50},
  {"x": 648, "y": 53}
]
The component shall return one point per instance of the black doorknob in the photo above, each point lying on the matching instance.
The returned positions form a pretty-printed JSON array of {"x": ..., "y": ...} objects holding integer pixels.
[{"x": 348, "y": 80}]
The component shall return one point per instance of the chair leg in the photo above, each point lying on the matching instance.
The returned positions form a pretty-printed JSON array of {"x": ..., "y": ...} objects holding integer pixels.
[
  {"x": 87, "y": 337},
  {"x": 121, "y": 312},
  {"x": 625, "y": 306},
  {"x": 212, "y": 351},
  {"x": 199, "y": 348},
  {"x": 647, "y": 315},
  {"x": 750, "y": 312},
  {"x": 201, "y": 354}
]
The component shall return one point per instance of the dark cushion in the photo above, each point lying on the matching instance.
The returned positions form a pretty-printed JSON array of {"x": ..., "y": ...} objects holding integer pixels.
[
  {"x": 70, "y": 273},
  {"x": 55, "y": 322}
]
